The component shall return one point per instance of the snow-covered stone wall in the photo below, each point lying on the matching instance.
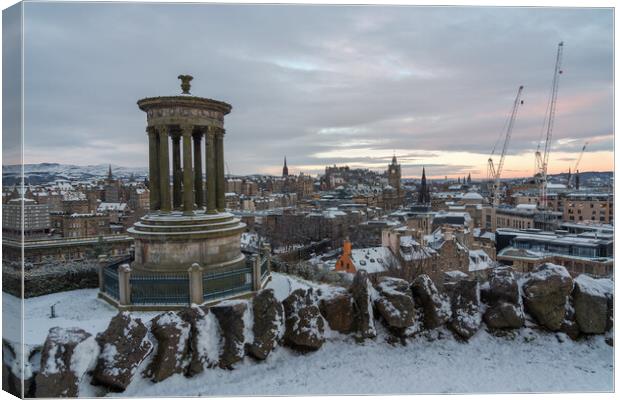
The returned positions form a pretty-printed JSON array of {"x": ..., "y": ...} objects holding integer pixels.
[{"x": 303, "y": 318}]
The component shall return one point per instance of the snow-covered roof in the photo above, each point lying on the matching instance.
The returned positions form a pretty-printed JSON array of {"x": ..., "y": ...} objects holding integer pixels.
[
  {"x": 112, "y": 207},
  {"x": 479, "y": 260},
  {"x": 373, "y": 259},
  {"x": 472, "y": 196}
]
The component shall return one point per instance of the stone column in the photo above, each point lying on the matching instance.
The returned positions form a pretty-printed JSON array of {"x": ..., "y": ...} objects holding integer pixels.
[
  {"x": 220, "y": 197},
  {"x": 188, "y": 179},
  {"x": 124, "y": 289},
  {"x": 211, "y": 173},
  {"x": 198, "y": 188},
  {"x": 101, "y": 266},
  {"x": 256, "y": 272},
  {"x": 154, "y": 200},
  {"x": 177, "y": 172},
  {"x": 195, "y": 284},
  {"x": 164, "y": 170}
]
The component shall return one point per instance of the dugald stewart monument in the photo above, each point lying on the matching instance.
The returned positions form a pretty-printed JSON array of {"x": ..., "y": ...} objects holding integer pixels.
[{"x": 187, "y": 248}]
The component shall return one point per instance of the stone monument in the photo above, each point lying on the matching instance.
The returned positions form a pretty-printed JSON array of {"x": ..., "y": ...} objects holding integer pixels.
[{"x": 187, "y": 248}]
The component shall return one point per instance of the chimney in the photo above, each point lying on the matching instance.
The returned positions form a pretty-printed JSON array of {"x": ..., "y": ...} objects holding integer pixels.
[{"x": 448, "y": 233}]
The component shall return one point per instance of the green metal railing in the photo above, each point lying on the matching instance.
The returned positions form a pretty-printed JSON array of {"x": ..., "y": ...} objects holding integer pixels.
[
  {"x": 110, "y": 281},
  {"x": 160, "y": 289},
  {"x": 223, "y": 284}
]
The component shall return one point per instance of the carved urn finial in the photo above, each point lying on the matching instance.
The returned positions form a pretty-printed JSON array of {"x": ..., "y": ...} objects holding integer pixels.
[{"x": 185, "y": 80}]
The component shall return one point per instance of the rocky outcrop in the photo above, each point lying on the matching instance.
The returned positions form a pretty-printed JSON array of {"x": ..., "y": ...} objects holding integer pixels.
[
  {"x": 590, "y": 299},
  {"x": 546, "y": 291},
  {"x": 504, "y": 315},
  {"x": 66, "y": 357},
  {"x": 304, "y": 325},
  {"x": 465, "y": 320},
  {"x": 268, "y": 325},
  {"x": 505, "y": 309},
  {"x": 435, "y": 306},
  {"x": 503, "y": 286},
  {"x": 205, "y": 341},
  {"x": 339, "y": 312},
  {"x": 361, "y": 290},
  {"x": 230, "y": 316},
  {"x": 172, "y": 356},
  {"x": 395, "y": 304},
  {"x": 14, "y": 367},
  {"x": 124, "y": 346}
]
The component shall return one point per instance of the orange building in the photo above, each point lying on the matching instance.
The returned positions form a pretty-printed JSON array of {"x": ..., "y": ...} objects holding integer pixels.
[{"x": 345, "y": 263}]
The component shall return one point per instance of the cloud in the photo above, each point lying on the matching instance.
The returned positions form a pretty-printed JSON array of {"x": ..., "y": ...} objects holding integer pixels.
[{"x": 319, "y": 84}]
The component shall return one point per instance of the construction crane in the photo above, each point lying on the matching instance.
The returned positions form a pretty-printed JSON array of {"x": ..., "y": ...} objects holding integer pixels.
[
  {"x": 494, "y": 173},
  {"x": 542, "y": 160},
  {"x": 570, "y": 175}
]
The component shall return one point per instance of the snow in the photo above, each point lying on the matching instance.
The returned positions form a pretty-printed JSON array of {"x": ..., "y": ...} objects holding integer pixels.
[
  {"x": 77, "y": 308},
  {"x": 595, "y": 287},
  {"x": 84, "y": 356},
  {"x": 548, "y": 270},
  {"x": 373, "y": 259},
  {"x": 209, "y": 342},
  {"x": 538, "y": 363},
  {"x": 531, "y": 362},
  {"x": 248, "y": 324},
  {"x": 479, "y": 260}
]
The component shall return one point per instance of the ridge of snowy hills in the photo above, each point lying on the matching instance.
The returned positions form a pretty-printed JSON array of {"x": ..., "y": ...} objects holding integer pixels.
[{"x": 42, "y": 173}]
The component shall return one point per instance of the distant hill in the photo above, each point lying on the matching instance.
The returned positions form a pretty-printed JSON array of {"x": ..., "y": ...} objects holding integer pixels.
[{"x": 37, "y": 174}]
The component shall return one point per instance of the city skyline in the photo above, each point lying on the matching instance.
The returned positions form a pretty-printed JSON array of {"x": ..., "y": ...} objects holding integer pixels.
[{"x": 346, "y": 85}]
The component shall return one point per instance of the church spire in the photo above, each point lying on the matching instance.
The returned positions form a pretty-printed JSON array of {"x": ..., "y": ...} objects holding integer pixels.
[
  {"x": 424, "y": 193},
  {"x": 110, "y": 172},
  {"x": 285, "y": 168}
]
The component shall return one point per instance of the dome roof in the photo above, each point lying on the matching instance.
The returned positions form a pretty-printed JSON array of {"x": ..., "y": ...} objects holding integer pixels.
[{"x": 472, "y": 196}]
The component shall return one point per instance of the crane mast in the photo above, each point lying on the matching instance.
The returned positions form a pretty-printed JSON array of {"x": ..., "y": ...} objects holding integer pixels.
[
  {"x": 542, "y": 160},
  {"x": 493, "y": 172},
  {"x": 570, "y": 175}
]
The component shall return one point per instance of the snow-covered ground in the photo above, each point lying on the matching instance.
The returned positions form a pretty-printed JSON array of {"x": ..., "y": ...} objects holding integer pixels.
[
  {"x": 485, "y": 364},
  {"x": 531, "y": 362}
]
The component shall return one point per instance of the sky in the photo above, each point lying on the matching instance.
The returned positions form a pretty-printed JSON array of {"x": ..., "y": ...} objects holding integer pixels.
[{"x": 322, "y": 85}]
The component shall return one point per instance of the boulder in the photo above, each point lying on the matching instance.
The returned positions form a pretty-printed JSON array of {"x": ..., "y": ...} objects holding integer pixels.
[
  {"x": 546, "y": 291},
  {"x": 503, "y": 286},
  {"x": 172, "y": 356},
  {"x": 231, "y": 318},
  {"x": 395, "y": 304},
  {"x": 268, "y": 327},
  {"x": 435, "y": 306},
  {"x": 361, "y": 290},
  {"x": 466, "y": 319},
  {"x": 66, "y": 357},
  {"x": 571, "y": 328},
  {"x": 124, "y": 346},
  {"x": 304, "y": 325},
  {"x": 338, "y": 310},
  {"x": 504, "y": 315},
  {"x": 205, "y": 340},
  {"x": 13, "y": 369},
  {"x": 590, "y": 299}
]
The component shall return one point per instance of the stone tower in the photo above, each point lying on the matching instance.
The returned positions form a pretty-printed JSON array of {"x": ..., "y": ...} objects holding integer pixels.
[{"x": 394, "y": 174}]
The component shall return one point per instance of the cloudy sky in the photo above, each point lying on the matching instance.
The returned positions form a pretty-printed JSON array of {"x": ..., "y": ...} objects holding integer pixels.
[{"x": 322, "y": 84}]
